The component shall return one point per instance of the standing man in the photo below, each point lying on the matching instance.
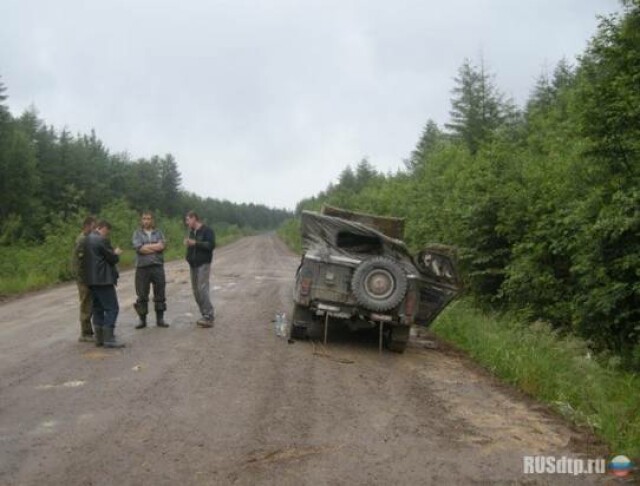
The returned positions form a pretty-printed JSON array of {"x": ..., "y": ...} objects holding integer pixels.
[
  {"x": 101, "y": 275},
  {"x": 148, "y": 242},
  {"x": 84, "y": 294},
  {"x": 200, "y": 245}
]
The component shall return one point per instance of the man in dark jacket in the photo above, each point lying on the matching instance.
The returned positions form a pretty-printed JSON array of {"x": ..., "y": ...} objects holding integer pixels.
[
  {"x": 200, "y": 245},
  {"x": 101, "y": 275}
]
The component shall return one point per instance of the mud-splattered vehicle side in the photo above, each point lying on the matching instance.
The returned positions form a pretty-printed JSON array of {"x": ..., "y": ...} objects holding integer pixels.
[{"x": 354, "y": 272}]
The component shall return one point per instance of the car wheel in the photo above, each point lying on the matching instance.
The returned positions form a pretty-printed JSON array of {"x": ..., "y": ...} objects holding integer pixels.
[
  {"x": 398, "y": 339},
  {"x": 301, "y": 318},
  {"x": 379, "y": 284}
]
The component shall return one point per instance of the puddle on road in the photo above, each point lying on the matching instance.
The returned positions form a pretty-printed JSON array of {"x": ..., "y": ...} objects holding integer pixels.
[
  {"x": 84, "y": 418},
  {"x": 262, "y": 278},
  {"x": 46, "y": 427},
  {"x": 228, "y": 275},
  {"x": 95, "y": 355},
  {"x": 67, "y": 384},
  {"x": 225, "y": 286},
  {"x": 290, "y": 453}
]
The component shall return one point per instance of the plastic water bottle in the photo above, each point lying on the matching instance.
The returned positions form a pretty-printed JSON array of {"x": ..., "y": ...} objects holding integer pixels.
[
  {"x": 276, "y": 324},
  {"x": 284, "y": 331},
  {"x": 279, "y": 324}
]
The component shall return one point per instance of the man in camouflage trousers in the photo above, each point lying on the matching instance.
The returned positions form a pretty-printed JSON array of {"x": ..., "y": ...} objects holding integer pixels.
[
  {"x": 84, "y": 293},
  {"x": 148, "y": 241}
]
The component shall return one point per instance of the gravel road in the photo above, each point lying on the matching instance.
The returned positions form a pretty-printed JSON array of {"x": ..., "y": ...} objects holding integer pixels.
[{"x": 237, "y": 405}]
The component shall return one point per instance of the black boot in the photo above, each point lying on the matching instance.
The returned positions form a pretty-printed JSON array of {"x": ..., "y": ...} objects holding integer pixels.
[
  {"x": 142, "y": 323},
  {"x": 99, "y": 336},
  {"x": 160, "y": 322},
  {"x": 110, "y": 338}
]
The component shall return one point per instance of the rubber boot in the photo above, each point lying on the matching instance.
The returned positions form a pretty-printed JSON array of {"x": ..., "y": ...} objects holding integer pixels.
[
  {"x": 99, "y": 336},
  {"x": 142, "y": 323},
  {"x": 86, "y": 332},
  {"x": 160, "y": 322},
  {"x": 110, "y": 339}
]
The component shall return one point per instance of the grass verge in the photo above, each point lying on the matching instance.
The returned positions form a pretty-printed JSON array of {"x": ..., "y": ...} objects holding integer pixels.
[
  {"x": 558, "y": 370},
  {"x": 289, "y": 232},
  {"x": 26, "y": 268}
]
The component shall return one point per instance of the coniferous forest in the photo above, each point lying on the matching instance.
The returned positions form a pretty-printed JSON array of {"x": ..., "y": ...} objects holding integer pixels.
[
  {"x": 51, "y": 179},
  {"x": 542, "y": 201}
]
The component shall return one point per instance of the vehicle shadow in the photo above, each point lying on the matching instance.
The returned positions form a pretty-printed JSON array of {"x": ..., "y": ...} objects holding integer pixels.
[{"x": 341, "y": 338}]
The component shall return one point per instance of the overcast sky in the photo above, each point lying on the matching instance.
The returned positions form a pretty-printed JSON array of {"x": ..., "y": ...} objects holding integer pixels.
[{"x": 268, "y": 101}]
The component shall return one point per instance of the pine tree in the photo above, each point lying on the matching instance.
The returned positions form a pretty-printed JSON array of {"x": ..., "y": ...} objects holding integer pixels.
[
  {"x": 170, "y": 181},
  {"x": 5, "y": 116},
  {"x": 429, "y": 141},
  {"x": 476, "y": 108},
  {"x": 609, "y": 91}
]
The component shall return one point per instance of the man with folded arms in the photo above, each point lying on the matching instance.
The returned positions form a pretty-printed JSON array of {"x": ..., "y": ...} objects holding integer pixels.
[{"x": 148, "y": 241}]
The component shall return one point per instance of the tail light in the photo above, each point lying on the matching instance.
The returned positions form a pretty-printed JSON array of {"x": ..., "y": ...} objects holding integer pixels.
[
  {"x": 410, "y": 305},
  {"x": 305, "y": 286}
]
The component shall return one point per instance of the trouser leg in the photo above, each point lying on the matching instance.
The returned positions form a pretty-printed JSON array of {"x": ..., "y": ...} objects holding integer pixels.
[
  {"x": 111, "y": 313},
  {"x": 107, "y": 304},
  {"x": 142, "y": 281},
  {"x": 203, "y": 274},
  {"x": 97, "y": 315},
  {"x": 194, "y": 286},
  {"x": 97, "y": 311},
  {"x": 86, "y": 302},
  {"x": 159, "y": 284},
  {"x": 109, "y": 299}
]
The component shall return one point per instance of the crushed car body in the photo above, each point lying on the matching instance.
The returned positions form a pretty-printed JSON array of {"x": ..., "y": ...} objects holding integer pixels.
[{"x": 356, "y": 268}]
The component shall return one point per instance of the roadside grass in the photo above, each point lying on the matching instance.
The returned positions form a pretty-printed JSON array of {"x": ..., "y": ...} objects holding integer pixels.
[
  {"x": 289, "y": 232},
  {"x": 24, "y": 268},
  {"x": 558, "y": 370},
  {"x": 29, "y": 268}
]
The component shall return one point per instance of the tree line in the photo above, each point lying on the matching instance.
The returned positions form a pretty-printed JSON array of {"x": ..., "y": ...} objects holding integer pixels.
[
  {"x": 50, "y": 180},
  {"x": 542, "y": 201},
  {"x": 47, "y": 174}
]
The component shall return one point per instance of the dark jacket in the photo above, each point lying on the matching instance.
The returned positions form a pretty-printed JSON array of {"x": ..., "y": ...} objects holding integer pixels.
[
  {"x": 99, "y": 261},
  {"x": 202, "y": 252}
]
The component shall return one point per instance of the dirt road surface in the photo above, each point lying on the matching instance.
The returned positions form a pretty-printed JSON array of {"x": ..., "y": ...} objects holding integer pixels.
[{"x": 238, "y": 405}]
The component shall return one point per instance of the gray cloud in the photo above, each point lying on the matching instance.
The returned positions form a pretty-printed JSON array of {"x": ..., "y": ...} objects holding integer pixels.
[{"x": 267, "y": 101}]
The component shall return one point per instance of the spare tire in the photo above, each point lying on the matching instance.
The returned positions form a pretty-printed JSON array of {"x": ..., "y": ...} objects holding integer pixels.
[{"x": 379, "y": 284}]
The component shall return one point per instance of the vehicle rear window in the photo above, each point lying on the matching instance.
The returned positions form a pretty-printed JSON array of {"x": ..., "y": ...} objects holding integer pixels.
[{"x": 358, "y": 243}]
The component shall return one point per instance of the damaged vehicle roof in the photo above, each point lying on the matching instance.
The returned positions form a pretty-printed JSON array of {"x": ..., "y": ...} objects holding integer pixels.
[{"x": 336, "y": 236}]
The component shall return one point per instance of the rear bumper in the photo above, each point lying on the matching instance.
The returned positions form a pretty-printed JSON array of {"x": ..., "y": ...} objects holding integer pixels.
[{"x": 348, "y": 312}]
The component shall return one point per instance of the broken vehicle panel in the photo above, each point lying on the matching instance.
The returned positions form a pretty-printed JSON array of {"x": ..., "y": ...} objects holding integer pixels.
[{"x": 354, "y": 272}]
